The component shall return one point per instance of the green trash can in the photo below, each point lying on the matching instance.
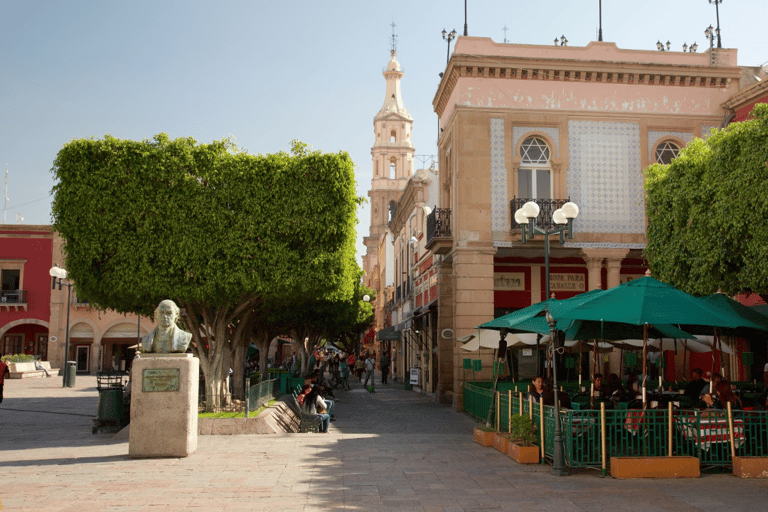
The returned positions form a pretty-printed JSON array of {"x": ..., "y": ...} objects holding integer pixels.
[{"x": 69, "y": 375}]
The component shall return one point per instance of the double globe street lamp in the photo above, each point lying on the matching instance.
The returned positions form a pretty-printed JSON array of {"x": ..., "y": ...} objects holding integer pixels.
[{"x": 561, "y": 224}]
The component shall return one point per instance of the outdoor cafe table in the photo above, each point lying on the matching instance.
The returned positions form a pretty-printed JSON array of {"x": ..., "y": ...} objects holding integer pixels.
[{"x": 711, "y": 429}]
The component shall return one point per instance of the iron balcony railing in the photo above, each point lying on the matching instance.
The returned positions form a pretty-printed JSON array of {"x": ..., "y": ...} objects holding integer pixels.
[
  {"x": 13, "y": 296},
  {"x": 439, "y": 224},
  {"x": 546, "y": 208}
]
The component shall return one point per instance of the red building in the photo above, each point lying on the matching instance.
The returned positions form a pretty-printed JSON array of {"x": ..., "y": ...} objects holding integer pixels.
[{"x": 25, "y": 259}]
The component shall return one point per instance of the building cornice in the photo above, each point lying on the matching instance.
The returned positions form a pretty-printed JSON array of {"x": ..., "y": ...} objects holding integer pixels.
[{"x": 598, "y": 63}]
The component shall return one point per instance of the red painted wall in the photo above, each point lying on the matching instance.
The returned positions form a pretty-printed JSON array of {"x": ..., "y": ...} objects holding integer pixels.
[{"x": 37, "y": 281}]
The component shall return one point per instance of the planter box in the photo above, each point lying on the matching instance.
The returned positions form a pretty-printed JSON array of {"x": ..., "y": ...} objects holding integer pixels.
[
  {"x": 655, "y": 467},
  {"x": 500, "y": 441},
  {"x": 523, "y": 454},
  {"x": 750, "y": 467},
  {"x": 484, "y": 438}
]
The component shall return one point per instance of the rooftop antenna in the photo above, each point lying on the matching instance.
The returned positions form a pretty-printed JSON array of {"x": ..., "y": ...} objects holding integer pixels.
[
  {"x": 505, "y": 33},
  {"x": 5, "y": 195},
  {"x": 393, "y": 50},
  {"x": 600, "y": 8}
]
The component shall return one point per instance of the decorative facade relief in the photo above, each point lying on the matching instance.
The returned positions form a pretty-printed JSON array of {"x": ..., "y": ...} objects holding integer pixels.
[
  {"x": 499, "y": 198},
  {"x": 519, "y": 132},
  {"x": 604, "y": 176},
  {"x": 655, "y": 137}
]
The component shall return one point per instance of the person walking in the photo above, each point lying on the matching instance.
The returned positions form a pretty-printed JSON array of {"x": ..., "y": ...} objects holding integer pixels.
[
  {"x": 384, "y": 364},
  {"x": 3, "y": 372},
  {"x": 370, "y": 364}
]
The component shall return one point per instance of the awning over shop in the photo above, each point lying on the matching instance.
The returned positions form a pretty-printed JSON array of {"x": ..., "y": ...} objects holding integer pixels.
[{"x": 388, "y": 334}]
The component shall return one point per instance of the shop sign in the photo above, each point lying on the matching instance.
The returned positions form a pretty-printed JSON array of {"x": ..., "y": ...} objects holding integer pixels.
[
  {"x": 567, "y": 282},
  {"x": 509, "y": 281}
]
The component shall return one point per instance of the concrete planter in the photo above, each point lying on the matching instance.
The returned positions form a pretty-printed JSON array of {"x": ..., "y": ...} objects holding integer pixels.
[
  {"x": 655, "y": 467},
  {"x": 483, "y": 438},
  {"x": 750, "y": 467},
  {"x": 501, "y": 441},
  {"x": 523, "y": 454}
]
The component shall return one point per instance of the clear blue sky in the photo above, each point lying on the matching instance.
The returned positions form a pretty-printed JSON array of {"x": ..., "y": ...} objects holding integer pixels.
[{"x": 269, "y": 72}]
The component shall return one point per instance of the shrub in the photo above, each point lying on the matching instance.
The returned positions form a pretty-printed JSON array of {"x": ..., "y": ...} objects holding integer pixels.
[
  {"x": 18, "y": 358},
  {"x": 523, "y": 429}
]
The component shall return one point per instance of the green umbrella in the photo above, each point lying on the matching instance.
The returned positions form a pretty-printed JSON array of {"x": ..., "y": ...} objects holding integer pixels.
[{"x": 647, "y": 301}]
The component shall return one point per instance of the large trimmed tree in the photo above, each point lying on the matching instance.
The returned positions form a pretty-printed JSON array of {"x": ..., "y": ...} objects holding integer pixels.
[
  {"x": 708, "y": 212},
  {"x": 217, "y": 230}
]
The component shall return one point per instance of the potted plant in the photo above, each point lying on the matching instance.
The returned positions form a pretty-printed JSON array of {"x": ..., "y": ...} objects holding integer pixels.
[
  {"x": 484, "y": 435},
  {"x": 521, "y": 445},
  {"x": 501, "y": 441}
]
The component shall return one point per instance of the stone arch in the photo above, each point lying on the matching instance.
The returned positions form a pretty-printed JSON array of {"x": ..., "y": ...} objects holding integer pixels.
[{"x": 10, "y": 325}]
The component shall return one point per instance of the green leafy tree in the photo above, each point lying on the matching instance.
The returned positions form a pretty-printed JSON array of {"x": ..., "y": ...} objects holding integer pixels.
[
  {"x": 708, "y": 212},
  {"x": 213, "y": 228}
]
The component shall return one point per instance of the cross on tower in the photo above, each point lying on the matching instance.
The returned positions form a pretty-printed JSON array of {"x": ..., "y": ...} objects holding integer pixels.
[
  {"x": 505, "y": 33},
  {"x": 394, "y": 37}
]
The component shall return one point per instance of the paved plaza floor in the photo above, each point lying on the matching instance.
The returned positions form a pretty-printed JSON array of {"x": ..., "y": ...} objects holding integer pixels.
[{"x": 390, "y": 450}]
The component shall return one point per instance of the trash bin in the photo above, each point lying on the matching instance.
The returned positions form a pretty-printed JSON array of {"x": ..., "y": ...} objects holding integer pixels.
[
  {"x": 70, "y": 373},
  {"x": 112, "y": 407}
]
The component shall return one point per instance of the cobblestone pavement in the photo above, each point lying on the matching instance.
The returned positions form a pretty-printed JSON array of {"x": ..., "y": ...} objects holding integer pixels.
[{"x": 390, "y": 450}]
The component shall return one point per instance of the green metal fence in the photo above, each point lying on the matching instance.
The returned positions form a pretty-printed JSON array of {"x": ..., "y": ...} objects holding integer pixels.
[
  {"x": 261, "y": 393},
  {"x": 704, "y": 434}
]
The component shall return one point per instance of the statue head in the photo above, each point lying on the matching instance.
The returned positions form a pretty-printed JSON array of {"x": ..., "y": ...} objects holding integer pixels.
[{"x": 166, "y": 314}]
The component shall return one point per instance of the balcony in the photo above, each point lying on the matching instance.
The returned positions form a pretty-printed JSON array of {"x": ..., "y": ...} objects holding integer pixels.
[
  {"x": 546, "y": 208},
  {"x": 13, "y": 299},
  {"x": 439, "y": 237}
]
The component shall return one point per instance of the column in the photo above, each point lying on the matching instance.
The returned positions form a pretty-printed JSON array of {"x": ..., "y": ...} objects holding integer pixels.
[
  {"x": 473, "y": 299},
  {"x": 613, "y": 259},
  {"x": 594, "y": 260}
]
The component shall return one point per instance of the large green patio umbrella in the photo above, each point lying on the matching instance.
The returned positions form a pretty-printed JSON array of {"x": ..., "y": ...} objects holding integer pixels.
[{"x": 645, "y": 302}]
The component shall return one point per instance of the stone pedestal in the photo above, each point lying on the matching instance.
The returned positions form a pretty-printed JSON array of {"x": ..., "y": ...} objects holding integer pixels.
[{"x": 164, "y": 392}]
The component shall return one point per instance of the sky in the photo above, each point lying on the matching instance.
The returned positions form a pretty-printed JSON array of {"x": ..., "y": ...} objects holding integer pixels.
[{"x": 265, "y": 73}]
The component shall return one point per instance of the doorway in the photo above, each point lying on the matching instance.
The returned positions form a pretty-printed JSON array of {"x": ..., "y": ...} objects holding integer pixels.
[{"x": 83, "y": 358}]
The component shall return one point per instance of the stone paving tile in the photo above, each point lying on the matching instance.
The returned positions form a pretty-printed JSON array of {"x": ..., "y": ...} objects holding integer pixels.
[{"x": 392, "y": 450}]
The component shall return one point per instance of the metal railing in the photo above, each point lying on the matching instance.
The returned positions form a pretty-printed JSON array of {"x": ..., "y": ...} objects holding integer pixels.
[
  {"x": 13, "y": 296},
  {"x": 259, "y": 394},
  {"x": 439, "y": 224},
  {"x": 546, "y": 209},
  {"x": 593, "y": 436}
]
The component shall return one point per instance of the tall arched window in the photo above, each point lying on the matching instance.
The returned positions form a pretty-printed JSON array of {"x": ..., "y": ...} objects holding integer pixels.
[
  {"x": 666, "y": 151},
  {"x": 392, "y": 168},
  {"x": 534, "y": 178}
]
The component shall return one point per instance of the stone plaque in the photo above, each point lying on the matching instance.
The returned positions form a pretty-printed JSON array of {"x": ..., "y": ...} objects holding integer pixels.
[
  {"x": 567, "y": 282},
  {"x": 160, "y": 379},
  {"x": 509, "y": 281}
]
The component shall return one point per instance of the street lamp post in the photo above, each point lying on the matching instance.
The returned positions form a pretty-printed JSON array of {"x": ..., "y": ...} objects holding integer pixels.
[
  {"x": 563, "y": 220},
  {"x": 717, "y": 13},
  {"x": 465, "y": 17},
  {"x": 558, "y": 456},
  {"x": 448, "y": 36},
  {"x": 58, "y": 276},
  {"x": 710, "y": 33}
]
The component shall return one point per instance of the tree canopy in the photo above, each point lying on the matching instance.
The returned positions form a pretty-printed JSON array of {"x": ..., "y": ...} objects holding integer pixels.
[
  {"x": 213, "y": 228},
  {"x": 708, "y": 212}
]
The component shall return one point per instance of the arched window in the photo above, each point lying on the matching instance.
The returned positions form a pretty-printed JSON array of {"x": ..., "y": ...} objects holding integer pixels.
[
  {"x": 392, "y": 208},
  {"x": 392, "y": 168},
  {"x": 666, "y": 151},
  {"x": 534, "y": 178},
  {"x": 393, "y": 136}
]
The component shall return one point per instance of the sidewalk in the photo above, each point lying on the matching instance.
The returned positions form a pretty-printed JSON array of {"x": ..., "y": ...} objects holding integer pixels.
[{"x": 388, "y": 450}]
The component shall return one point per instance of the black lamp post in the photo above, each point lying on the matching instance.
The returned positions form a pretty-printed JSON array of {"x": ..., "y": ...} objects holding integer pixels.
[
  {"x": 563, "y": 219},
  {"x": 558, "y": 456},
  {"x": 717, "y": 13},
  {"x": 58, "y": 276},
  {"x": 448, "y": 36}
]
